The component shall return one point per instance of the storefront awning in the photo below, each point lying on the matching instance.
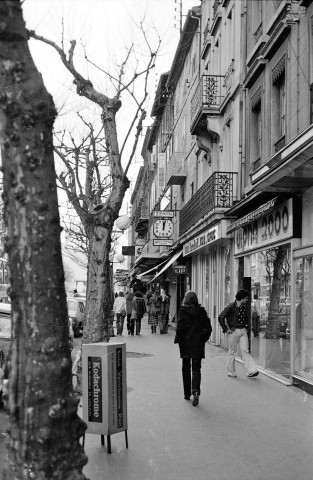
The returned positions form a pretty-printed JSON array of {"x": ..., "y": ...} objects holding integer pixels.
[
  {"x": 140, "y": 275},
  {"x": 169, "y": 262}
]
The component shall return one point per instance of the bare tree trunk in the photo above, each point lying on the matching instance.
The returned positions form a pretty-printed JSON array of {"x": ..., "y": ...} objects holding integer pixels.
[{"x": 44, "y": 425}]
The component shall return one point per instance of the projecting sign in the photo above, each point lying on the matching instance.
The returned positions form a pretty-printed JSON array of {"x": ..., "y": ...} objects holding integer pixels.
[
  {"x": 163, "y": 243},
  {"x": 180, "y": 269},
  {"x": 164, "y": 213},
  {"x": 129, "y": 250}
]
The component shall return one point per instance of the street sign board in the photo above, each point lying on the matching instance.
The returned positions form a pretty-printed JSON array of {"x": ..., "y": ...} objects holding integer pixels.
[
  {"x": 163, "y": 242},
  {"x": 129, "y": 250},
  {"x": 163, "y": 213}
]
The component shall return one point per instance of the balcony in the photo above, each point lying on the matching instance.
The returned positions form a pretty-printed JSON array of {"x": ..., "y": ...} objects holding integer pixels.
[
  {"x": 140, "y": 219},
  {"x": 218, "y": 192},
  {"x": 206, "y": 100}
]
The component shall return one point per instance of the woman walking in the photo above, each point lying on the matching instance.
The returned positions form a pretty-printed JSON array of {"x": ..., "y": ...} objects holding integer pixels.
[
  {"x": 153, "y": 310},
  {"x": 164, "y": 310},
  {"x": 119, "y": 309},
  {"x": 129, "y": 308},
  {"x": 192, "y": 331}
]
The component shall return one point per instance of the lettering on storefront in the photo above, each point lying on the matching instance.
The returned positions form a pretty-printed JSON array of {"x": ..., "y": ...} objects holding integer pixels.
[
  {"x": 201, "y": 240},
  {"x": 272, "y": 227}
]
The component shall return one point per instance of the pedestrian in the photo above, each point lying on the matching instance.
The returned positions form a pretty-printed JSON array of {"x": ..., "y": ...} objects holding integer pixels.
[
  {"x": 129, "y": 307},
  {"x": 119, "y": 309},
  {"x": 164, "y": 310},
  {"x": 138, "y": 311},
  {"x": 234, "y": 321},
  {"x": 192, "y": 331},
  {"x": 256, "y": 316},
  {"x": 153, "y": 310}
]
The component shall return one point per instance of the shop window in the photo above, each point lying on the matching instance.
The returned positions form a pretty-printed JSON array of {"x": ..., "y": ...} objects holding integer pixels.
[
  {"x": 270, "y": 293},
  {"x": 311, "y": 103},
  {"x": 303, "y": 333}
]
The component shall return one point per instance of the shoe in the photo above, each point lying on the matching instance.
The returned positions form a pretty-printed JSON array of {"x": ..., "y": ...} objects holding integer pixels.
[
  {"x": 187, "y": 397},
  {"x": 230, "y": 374},
  {"x": 253, "y": 374},
  {"x": 195, "y": 401}
]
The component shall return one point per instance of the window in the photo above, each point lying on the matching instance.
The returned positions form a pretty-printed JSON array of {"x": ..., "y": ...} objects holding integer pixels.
[
  {"x": 256, "y": 130},
  {"x": 279, "y": 105},
  {"x": 270, "y": 294}
]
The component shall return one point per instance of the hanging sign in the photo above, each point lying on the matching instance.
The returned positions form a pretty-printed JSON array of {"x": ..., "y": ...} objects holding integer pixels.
[
  {"x": 180, "y": 269},
  {"x": 163, "y": 213},
  {"x": 129, "y": 250},
  {"x": 163, "y": 242}
]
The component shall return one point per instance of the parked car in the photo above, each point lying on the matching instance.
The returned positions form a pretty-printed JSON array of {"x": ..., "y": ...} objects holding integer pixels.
[
  {"x": 76, "y": 313},
  {"x": 5, "y": 320}
]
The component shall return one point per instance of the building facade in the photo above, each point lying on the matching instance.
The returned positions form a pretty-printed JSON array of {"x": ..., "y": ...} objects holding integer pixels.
[{"x": 232, "y": 145}]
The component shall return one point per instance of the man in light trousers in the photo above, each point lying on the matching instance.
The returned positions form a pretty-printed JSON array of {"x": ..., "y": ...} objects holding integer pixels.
[{"x": 235, "y": 323}]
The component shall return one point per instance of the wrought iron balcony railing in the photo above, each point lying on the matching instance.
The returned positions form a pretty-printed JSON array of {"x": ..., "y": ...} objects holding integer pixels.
[
  {"x": 218, "y": 192},
  {"x": 206, "y": 100}
]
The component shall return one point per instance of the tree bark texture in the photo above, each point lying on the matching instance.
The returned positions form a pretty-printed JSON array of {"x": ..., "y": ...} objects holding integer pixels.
[{"x": 44, "y": 425}]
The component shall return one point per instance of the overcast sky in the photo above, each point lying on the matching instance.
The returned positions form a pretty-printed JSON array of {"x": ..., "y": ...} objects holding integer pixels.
[{"x": 104, "y": 28}]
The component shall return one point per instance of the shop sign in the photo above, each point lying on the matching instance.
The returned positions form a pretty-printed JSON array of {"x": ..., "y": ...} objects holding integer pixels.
[
  {"x": 180, "y": 269},
  {"x": 272, "y": 227},
  {"x": 163, "y": 243},
  {"x": 201, "y": 240},
  {"x": 163, "y": 214},
  {"x": 129, "y": 250}
]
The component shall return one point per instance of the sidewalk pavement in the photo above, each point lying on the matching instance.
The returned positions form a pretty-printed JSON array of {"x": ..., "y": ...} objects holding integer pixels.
[{"x": 244, "y": 428}]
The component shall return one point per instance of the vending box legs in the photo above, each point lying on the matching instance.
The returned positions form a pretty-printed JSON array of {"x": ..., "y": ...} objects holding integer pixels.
[{"x": 105, "y": 389}]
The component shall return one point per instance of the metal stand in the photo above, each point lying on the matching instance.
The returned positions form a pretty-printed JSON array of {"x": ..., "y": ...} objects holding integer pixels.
[{"x": 108, "y": 440}]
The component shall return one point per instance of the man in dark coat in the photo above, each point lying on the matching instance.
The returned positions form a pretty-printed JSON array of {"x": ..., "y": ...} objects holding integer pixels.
[{"x": 192, "y": 331}]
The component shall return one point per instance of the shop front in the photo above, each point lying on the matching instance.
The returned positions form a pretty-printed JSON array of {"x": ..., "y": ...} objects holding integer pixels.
[
  {"x": 209, "y": 252},
  {"x": 263, "y": 244}
]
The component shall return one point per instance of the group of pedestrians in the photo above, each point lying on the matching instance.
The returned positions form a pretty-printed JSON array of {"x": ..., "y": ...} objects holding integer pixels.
[
  {"x": 135, "y": 304},
  {"x": 194, "y": 329}
]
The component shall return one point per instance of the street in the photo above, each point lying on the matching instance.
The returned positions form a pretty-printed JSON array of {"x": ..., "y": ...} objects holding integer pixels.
[{"x": 242, "y": 429}]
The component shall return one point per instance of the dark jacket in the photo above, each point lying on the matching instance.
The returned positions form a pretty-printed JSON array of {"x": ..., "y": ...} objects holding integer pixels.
[
  {"x": 129, "y": 302},
  {"x": 139, "y": 305},
  {"x": 229, "y": 317},
  {"x": 192, "y": 331}
]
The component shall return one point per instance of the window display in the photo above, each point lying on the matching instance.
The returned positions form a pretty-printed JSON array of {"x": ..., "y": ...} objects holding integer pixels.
[
  {"x": 304, "y": 318},
  {"x": 270, "y": 308}
]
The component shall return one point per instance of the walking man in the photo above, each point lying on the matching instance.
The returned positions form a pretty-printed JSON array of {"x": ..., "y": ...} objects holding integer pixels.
[{"x": 235, "y": 323}]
